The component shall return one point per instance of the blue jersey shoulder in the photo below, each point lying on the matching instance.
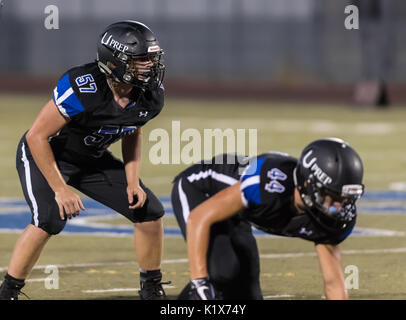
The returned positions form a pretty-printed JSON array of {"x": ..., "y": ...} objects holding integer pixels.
[
  {"x": 77, "y": 81},
  {"x": 250, "y": 182},
  {"x": 66, "y": 99},
  {"x": 267, "y": 175}
]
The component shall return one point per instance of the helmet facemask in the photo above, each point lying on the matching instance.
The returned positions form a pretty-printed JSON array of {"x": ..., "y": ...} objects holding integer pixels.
[
  {"x": 331, "y": 209},
  {"x": 128, "y": 69}
]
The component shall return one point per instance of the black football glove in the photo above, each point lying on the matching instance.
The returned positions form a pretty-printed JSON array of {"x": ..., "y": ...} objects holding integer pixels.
[{"x": 202, "y": 289}]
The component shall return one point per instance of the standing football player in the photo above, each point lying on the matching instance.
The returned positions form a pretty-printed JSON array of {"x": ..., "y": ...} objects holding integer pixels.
[
  {"x": 312, "y": 198},
  {"x": 93, "y": 106}
]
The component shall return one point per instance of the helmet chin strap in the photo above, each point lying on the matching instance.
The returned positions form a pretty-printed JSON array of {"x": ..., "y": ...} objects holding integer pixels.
[
  {"x": 109, "y": 73},
  {"x": 306, "y": 199},
  {"x": 104, "y": 68},
  {"x": 298, "y": 202}
]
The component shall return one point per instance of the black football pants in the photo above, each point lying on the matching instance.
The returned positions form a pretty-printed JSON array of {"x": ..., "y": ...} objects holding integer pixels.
[
  {"x": 102, "y": 179},
  {"x": 233, "y": 259}
]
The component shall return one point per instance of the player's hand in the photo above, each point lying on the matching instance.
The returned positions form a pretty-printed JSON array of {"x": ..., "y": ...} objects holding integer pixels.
[
  {"x": 69, "y": 203},
  {"x": 135, "y": 192},
  {"x": 201, "y": 289}
]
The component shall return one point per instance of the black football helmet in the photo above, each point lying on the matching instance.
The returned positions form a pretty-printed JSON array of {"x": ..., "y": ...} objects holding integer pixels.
[
  {"x": 330, "y": 167},
  {"x": 121, "y": 44}
]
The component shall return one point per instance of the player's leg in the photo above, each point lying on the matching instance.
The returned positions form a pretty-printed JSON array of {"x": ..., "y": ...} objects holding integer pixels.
[
  {"x": 106, "y": 183},
  {"x": 185, "y": 197},
  {"x": 45, "y": 222},
  {"x": 148, "y": 244},
  {"x": 223, "y": 265},
  {"x": 147, "y": 235},
  {"x": 27, "y": 251},
  {"x": 246, "y": 285},
  {"x": 25, "y": 254},
  {"x": 195, "y": 185}
]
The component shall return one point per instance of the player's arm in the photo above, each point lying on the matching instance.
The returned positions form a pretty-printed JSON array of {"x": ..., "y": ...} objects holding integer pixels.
[
  {"x": 333, "y": 277},
  {"x": 131, "y": 149},
  {"x": 48, "y": 123},
  {"x": 221, "y": 206}
]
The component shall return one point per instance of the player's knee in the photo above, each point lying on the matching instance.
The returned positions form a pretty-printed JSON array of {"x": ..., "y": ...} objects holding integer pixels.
[
  {"x": 53, "y": 227},
  {"x": 152, "y": 210},
  {"x": 150, "y": 227}
]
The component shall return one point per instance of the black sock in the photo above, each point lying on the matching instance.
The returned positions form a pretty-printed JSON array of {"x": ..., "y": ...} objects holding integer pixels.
[
  {"x": 154, "y": 275},
  {"x": 13, "y": 282}
]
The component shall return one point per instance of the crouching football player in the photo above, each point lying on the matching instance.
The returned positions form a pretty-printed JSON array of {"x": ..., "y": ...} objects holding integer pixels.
[
  {"x": 312, "y": 198},
  {"x": 93, "y": 106}
]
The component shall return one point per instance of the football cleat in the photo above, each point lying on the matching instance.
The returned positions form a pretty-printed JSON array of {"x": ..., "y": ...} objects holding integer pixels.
[
  {"x": 10, "y": 290},
  {"x": 152, "y": 289},
  {"x": 199, "y": 289}
]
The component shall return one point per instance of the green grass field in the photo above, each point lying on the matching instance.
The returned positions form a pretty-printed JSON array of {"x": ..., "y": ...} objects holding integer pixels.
[{"x": 88, "y": 263}]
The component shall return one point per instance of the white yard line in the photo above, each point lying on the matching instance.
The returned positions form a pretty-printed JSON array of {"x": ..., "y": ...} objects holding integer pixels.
[
  {"x": 398, "y": 186},
  {"x": 262, "y": 256},
  {"x": 344, "y": 252},
  {"x": 121, "y": 289},
  {"x": 36, "y": 280},
  {"x": 279, "y": 296},
  {"x": 111, "y": 290}
]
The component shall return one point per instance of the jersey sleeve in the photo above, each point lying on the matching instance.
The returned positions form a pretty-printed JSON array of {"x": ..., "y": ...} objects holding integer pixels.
[
  {"x": 66, "y": 99},
  {"x": 250, "y": 183}
]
